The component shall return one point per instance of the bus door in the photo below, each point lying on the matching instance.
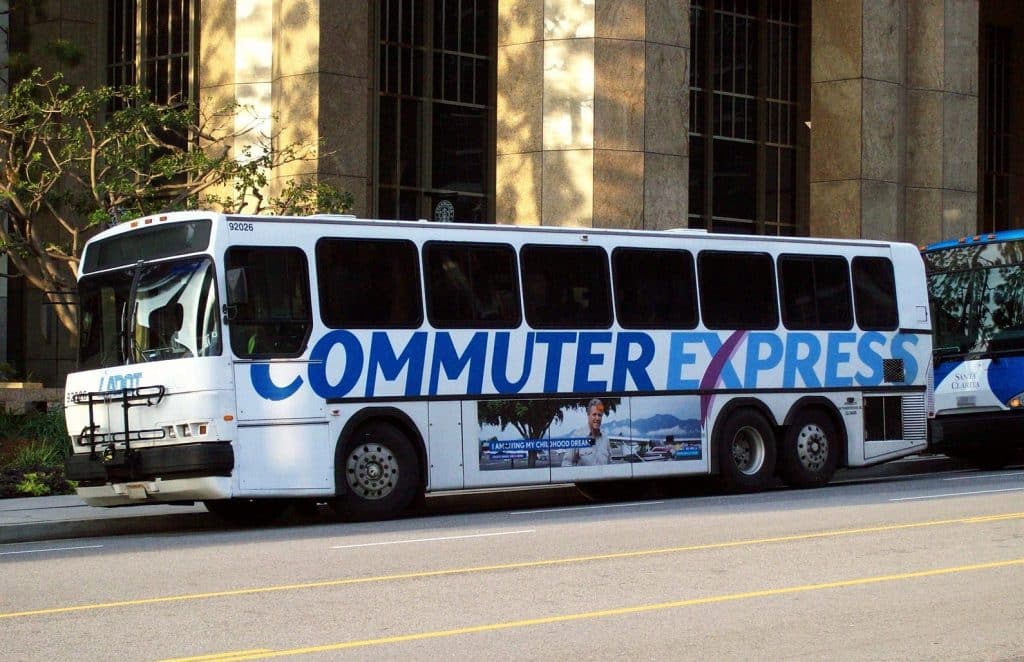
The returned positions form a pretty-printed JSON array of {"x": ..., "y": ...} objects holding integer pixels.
[{"x": 284, "y": 444}]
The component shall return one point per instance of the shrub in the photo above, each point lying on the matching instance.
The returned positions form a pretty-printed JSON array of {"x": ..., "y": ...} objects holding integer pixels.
[{"x": 33, "y": 448}]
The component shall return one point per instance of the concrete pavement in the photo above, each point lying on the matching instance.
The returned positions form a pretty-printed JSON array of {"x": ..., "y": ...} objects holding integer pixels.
[{"x": 55, "y": 517}]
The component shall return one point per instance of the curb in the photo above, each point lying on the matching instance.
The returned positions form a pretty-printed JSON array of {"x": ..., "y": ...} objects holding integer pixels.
[{"x": 108, "y": 526}]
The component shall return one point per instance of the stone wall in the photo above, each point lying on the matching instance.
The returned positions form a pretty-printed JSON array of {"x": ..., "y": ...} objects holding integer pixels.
[{"x": 23, "y": 397}]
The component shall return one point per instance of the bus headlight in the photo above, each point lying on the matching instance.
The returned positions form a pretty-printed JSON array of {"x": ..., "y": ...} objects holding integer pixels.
[{"x": 1016, "y": 402}]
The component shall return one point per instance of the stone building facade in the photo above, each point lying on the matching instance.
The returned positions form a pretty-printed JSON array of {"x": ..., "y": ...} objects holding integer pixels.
[{"x": 889, "y": 119}]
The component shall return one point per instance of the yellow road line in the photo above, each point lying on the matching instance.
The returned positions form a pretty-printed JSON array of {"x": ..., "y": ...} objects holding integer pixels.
[
  {"x": 605, "y": 613},
  {"x": 224, "y": 657},
  {"x": 981, "y": 519}
]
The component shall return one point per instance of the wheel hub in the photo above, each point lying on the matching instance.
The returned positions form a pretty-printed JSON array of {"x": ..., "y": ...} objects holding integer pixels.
[
  {"x": 748, "y": 450},
  {"x": 812, "y": 447},
  {"x": 371, "y": 471}
]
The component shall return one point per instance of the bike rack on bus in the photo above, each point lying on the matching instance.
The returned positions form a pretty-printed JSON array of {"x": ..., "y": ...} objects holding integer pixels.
[{"x": 140, "y": 396}]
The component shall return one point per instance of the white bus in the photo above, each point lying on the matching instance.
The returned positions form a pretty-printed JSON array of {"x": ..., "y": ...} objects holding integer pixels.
[{"x": 248, "y": 362}]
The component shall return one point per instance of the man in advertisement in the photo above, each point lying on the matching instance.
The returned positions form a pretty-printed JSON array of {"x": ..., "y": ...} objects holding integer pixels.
[{"x": 600, "y": 450}]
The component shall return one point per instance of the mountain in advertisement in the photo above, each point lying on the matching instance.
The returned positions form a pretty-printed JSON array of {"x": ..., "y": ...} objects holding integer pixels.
[{"x": 659, "y": 425}]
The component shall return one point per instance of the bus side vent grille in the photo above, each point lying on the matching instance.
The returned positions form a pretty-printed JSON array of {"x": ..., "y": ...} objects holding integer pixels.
[
  {"x": 892, "y": 370},
  {"x": 915, "y": 425}
]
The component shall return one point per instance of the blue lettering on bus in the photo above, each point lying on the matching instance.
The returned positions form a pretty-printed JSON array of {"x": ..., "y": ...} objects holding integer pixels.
[
  {"x": 756, "y": 363},
  {"x": 555, "y": 341},
  {"x": 900, "y": 351},
  {"x": 837, "y": 355},
  {"x": 384, "y": 361},
  {"x": 118, "y": 382},
  {"x": 499, "y": 369},
  {"x": 586, "y": 358},
  {"x": 343, "y": 364},
  {"x": 636, "y": 368},
  {"x": 679, "y": 358},
  {"x": 870, "y": 358},
  {"x": 802, "y": 353},
  {"x": 447, "y": 359}
]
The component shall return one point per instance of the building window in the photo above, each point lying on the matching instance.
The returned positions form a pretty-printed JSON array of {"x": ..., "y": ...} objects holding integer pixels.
[
  {"x": 152, "y": 43},
  {"x": 996, "y": 136},
  {"x": 435, "y": 109},
  {"x": 747, "y": 100}
]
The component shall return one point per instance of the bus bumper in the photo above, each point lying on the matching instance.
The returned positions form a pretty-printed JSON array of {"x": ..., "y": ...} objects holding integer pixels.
[
  {"x": 105, "y": 466},
  {"x": 967, "y": 434},
  {"x": 156, "y": 491}
]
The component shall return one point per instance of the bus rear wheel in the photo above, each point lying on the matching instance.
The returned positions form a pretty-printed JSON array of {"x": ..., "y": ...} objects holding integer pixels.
[
  {"x": 746, "y": 452},
  {"x": 376, "y": 474},
  {"x": 809, "y": 453}
]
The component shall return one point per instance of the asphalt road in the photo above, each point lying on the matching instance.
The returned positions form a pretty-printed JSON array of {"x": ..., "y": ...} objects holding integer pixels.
[{"x": 891, "y": 565}]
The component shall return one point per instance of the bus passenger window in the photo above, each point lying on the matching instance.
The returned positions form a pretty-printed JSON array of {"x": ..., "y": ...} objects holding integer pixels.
[
  {"x": 274, "y": 319},
  {"x": 815, "y": 292},
  {"x": 368, "y": 283},
  {"x": 654, "y": 289},
  {"x": 874, "y": 294},
  {"x": 737, "y": 290},
  {"x": 566, "y": 287},
  {"x": 471, "y": 285}
]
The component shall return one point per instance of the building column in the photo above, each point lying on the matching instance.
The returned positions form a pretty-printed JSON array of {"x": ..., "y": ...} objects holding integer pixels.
[
  {"x": 302, "y": 66},
  {"x": 894, "y": 105},
  {"x": 592, "y": 113},
  {"x": 942, "y": 119},
  {"x": 857, "y": 118}
]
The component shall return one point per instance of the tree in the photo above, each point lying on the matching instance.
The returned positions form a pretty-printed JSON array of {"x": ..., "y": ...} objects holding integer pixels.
[
  {"x": 74, "y": 160},
  {"x": 533, "y": 418}
]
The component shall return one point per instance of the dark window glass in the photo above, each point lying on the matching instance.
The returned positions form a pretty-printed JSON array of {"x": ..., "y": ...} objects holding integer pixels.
[
  {"x": 654, "y": 289},
  {"x": 874, "y": 294},
  {"x": 268, "y": 301},
  {"x": 815, "y": 292},
  {"x": 748, "y": 99},
  {"x": 436, "y": 109},
  {"x": 149, "y": 243},
  {"x": 471, "y": 285},
  {"x": 368, "y": 283},
  {"x": 566, "y": 287},
  {"x": 737, "y": 290}
]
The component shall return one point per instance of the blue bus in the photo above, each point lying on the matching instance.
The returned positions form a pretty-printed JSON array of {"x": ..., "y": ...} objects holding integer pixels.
[{"x": 976, "y": 289}]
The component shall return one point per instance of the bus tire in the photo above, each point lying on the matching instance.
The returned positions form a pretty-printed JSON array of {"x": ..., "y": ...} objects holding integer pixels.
[
  {"x": 809, "y": 453},
  {"x": 376, "y": 473},
  {"x": 247, "y": 512},
  {"x": 746, "y": 452}
]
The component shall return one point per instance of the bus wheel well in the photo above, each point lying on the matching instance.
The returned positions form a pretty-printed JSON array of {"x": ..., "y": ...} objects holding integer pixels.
[{"x": 392, "y": 416}]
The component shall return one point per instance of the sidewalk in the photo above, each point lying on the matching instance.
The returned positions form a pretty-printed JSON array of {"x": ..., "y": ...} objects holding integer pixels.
[{"x": 52, "y": 518}]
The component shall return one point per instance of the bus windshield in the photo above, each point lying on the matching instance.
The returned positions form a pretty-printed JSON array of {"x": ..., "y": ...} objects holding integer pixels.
[
  {"x": 149, "y": 312},
  {"x": 977, "y": 299}
]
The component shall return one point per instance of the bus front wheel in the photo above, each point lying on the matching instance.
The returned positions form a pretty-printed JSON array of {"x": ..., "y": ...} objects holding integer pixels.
[
  {"x": 810, "y": 450},
  {"x": 746, "y": 452},
  {"x": 376, "y": 474}
]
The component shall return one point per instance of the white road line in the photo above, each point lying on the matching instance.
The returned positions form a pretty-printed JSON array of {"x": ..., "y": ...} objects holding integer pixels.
[
  {"x": 441, "y": 539},
  {"x": 953, "y": 494},
  {"x": 572, "y": 508},
  {"x": 51, "y": 549},
  {"x": 985, "y": 475}
]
